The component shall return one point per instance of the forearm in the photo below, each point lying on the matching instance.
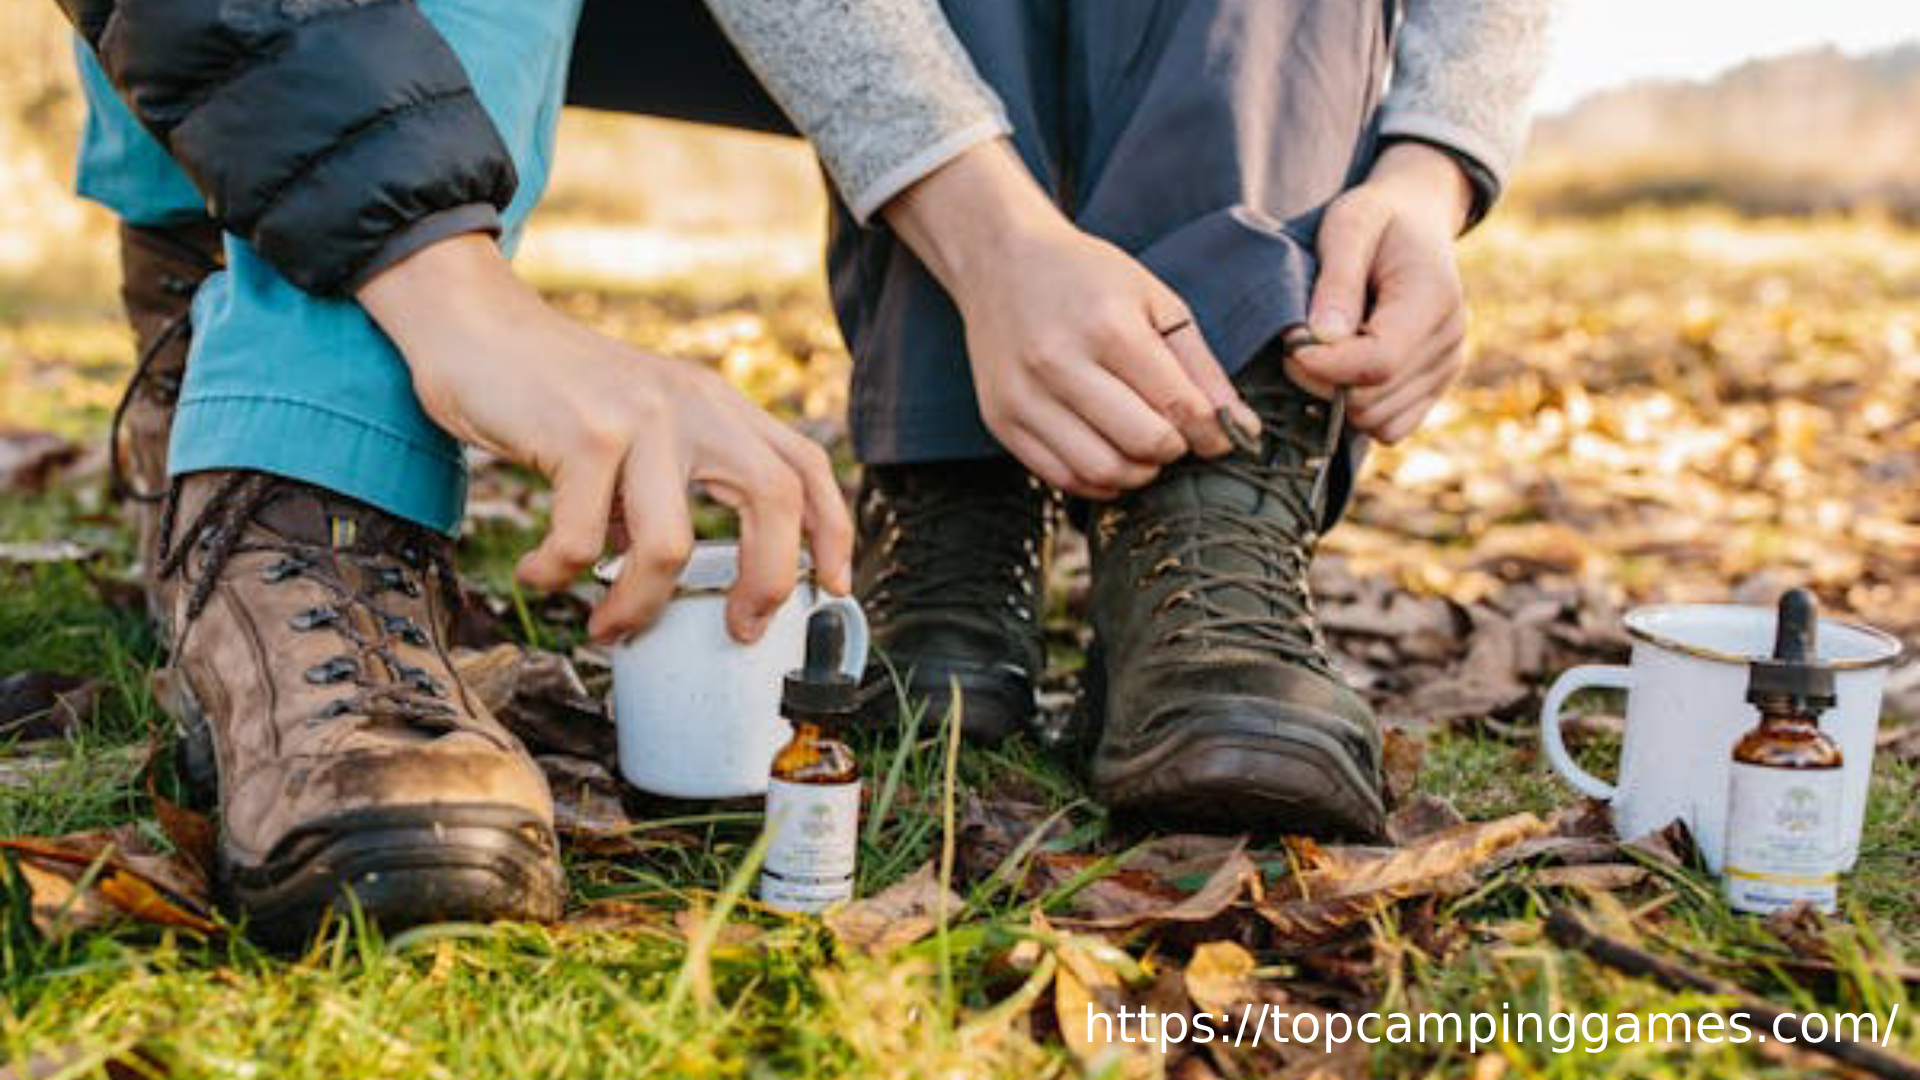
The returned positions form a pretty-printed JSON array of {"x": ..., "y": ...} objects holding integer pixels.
[
  {"x": 965, "y": 218},
  {"x": 444, "y": 294},
  {"x": 882, "y": 88},
  {"x": 1418, "y": 180},
  {"x": 1463, "y": 74}
]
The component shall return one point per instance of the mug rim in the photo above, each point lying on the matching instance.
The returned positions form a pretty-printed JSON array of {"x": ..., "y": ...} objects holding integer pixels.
[
  {"x": 693, "y": 582},
  {"x": 1890, "y": 647}
]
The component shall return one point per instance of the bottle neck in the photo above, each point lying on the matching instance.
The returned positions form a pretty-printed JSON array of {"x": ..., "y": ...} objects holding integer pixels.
[{"x": 1785, "y": 712}]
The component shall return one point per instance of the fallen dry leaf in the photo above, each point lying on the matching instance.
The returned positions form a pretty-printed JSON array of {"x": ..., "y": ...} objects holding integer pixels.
[
  {"x": 133, "y": 880},
  {"x": 45, "y": 705},
  {"x": 895, "y": 917},
  {"x": 1803, "y": 929},
  {"x": 587, "y": 808},
  {"x": 1604, "y": 877},
  {"x": 1402, "y": 755},
  {"x": 1088, "y": 996},
  {"x": 1900, "y": 743},
  {"x": 733, "y": 935},
  {"x": 1171, "y": 879},
  {"x": 991, "y": 830},
  {"x": 1420, "y": 818},
  {"x": 1339, "y": 887},
  {"x": 540, "y": 698},
  {"x": 28, "y": 459},
  {"x": 621, "y": 915},
  {"x": 1244, "y": 1012},
  {"x": 1487, "y": 681},
  {"x": 38, "y": 765}
]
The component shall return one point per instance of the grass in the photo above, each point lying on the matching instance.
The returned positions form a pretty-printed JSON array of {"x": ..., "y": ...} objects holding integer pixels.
[
  {"x": 680, "y": 986},
  {"x": 552, "y": 1002}
]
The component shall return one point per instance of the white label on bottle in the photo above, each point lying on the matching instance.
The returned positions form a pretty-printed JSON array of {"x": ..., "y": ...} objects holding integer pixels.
[
  {"x": 1783, "y": 838},
  {"x": 810, "y": 859}
]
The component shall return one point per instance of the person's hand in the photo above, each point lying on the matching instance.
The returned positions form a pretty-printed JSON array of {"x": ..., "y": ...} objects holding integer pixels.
[
  {"x": 1088, "y": 368},
  {"x": 620, "y": 433},
  {"x": 1388, "y": 302}
]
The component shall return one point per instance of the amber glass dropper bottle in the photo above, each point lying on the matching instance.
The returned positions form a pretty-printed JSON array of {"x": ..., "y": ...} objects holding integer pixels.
[
  {"x": 813, "y": 794},
  {"x": 1784, "y": 804}
]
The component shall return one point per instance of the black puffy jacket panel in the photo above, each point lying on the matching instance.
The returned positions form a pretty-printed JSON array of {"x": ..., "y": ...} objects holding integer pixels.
[{"x": 315, "y": 129}]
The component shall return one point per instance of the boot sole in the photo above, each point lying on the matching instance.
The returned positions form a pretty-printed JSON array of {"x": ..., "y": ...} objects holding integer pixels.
[
  {"x": 402, "y": 866},
  {"x": 1213, "y": 773}
]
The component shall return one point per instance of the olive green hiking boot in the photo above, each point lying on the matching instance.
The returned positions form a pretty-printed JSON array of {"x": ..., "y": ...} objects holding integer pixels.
[
  {"x": 161, "y": 267},
  {"x": 949, "y": 568},
  {"x": 1217, "y": 702},
  {"x": 311, "y": 675}
]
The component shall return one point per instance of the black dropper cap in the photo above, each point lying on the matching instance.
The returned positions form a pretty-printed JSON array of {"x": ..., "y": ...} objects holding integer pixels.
[
  {"x": 1795, "y": 671},
  {"x": 820, "y": 691}
]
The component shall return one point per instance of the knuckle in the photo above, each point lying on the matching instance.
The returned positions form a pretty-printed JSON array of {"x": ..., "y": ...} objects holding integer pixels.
[
  {"x": 574, "y": 552},
  {"x": 764, "y": 597},
  {"x": 816, "y": 460},
  {"x": 668, "y": 552},
  {"x": 1352, "y": 210},
  {"x": 1183, "y": 409},
  {"x": 599, "y": 435},
  {"x": 1047, "y": 362},
  {"x": 1111, "y": 322},
  {"x": 781, "y": 492},
  {"x": 1104, "y": 474}
]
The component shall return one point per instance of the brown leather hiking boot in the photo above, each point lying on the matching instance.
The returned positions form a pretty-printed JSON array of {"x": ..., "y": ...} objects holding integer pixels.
[
  {"x": 1217, "y": 702},
  {"x": 310, "y": 670},
  {"x": 160, "y": 269}
]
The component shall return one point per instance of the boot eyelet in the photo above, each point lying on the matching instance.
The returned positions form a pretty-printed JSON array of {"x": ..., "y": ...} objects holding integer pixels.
[
  {"x": 404, "y": 629},
  {"x": 315, "y": 618},
  {"x": 287, "y": 567},
  {"x": 339, "y": 669},
  {"x": 398, "y": 581},
  {"x": 332, "y": 711}
]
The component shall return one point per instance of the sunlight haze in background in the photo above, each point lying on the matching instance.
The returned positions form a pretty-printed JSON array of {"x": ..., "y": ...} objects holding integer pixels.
[{"x": 1603, "y": 43}]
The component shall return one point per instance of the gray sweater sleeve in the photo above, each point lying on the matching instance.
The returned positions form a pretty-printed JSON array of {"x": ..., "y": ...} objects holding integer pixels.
[
  {"x": 887, "y": 94},
  {"x": 1463, "y": 71},
  {"x": 882, "y": 88}
]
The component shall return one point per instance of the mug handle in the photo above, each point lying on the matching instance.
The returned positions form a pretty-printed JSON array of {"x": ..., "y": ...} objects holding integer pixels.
[
  {"x": 853, "y": 657},
  {"x": 1570, "y": 682}
]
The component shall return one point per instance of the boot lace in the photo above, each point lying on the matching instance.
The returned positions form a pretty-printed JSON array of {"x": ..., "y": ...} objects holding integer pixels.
[
  {"x": 1193, "y": 541},
  {"x": 166, "y": 384},
  {"x": 939, "y": 541},
  {"x": 404, "y": 692}
]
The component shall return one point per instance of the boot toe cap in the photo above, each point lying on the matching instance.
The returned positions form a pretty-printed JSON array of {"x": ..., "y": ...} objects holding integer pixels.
[{"x": 1237, "y": 760}]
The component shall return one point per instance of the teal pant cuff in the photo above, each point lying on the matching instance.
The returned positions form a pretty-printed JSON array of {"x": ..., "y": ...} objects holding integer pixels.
[{"x": 337, "y": 451}]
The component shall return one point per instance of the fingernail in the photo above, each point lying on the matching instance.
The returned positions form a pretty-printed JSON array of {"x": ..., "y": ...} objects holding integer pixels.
[{"x": 1331, "y": 324}]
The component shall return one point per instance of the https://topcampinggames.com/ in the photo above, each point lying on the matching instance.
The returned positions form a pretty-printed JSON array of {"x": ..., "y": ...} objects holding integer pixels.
[{"x": 1564, "y": 1032}]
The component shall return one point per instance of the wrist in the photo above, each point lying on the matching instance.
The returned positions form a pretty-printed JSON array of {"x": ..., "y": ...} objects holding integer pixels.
[
  {"x": 966, "y": 219},
  {"x": 456, "y": 291},
  {"x": 1426, "y": 183}
]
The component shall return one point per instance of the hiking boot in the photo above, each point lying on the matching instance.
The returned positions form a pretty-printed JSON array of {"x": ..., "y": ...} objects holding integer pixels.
[
  {"x": 161, "y": 267},
  {"x": 948, "y": 567},
  {"x": 310, "y": 670},
  {"x": 1218, "y": 704}
]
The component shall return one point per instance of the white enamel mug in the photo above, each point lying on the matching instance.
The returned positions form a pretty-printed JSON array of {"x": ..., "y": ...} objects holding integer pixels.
[
  {"x": 1687, "y": 705},
  {"x": 697, "y": 714}
]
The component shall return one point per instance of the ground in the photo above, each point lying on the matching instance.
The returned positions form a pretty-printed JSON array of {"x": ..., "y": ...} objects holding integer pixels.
[{"x": 1676, "y": 406}]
